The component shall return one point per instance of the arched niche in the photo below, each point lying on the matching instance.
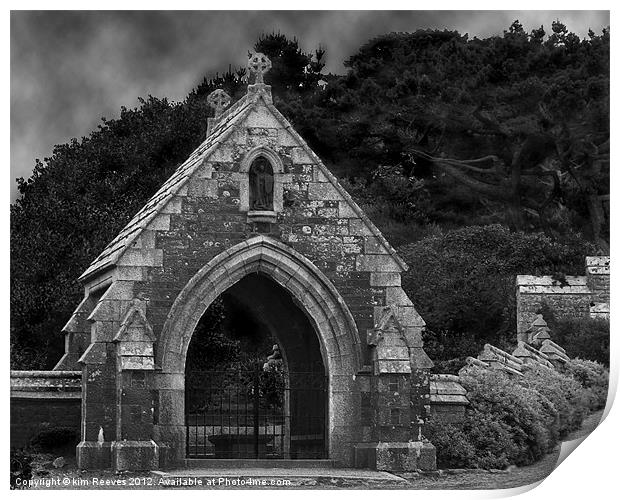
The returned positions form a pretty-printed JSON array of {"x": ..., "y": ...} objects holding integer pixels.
[{"x": 261, "y": 156}]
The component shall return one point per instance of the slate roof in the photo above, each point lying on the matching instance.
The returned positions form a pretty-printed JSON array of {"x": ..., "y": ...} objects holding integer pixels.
[{"x": 220, "y": 130}]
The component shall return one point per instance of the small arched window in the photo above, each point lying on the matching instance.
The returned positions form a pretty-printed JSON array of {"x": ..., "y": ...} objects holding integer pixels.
[{"x": 261, "y": 184}]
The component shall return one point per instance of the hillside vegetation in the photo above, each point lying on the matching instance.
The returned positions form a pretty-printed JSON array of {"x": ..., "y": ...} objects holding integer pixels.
[{"x": 436, "y": 135}]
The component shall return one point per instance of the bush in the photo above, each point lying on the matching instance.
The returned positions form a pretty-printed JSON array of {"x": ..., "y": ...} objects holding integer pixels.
[
  {"x": 518, "y": 420},
  {"x": 568, "y": 397},
  {"x": 506, "y": 423},
  {"x": 482, "y": 441},
  {"x": 454, "y": 448},
  {"x": 594, "y": 377},
  {"x": 462, "y": 282},
  {"x": 526, "y": 413},
  {"x": 52, "y": 437},
  {"x": 586, "y": 338}
]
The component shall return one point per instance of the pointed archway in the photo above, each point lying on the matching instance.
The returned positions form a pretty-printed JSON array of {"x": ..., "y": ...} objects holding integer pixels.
[{"x": 312, "y": 292}]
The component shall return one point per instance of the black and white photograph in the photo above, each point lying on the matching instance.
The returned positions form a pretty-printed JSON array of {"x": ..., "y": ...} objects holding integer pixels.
[{"x": 307, "y": 249}]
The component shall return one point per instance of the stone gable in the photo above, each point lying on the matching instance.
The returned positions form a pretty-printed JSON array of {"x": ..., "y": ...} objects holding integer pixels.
[{"x": 200, "y": 211}]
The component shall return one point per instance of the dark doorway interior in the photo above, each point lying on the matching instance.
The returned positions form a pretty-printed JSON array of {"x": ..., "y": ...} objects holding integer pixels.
[{"x": 255, "y": 380}]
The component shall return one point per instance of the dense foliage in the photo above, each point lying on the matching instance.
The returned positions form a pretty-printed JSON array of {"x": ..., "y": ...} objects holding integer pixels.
[
  {"x": 587, "y": 338},
  {"x": 225, "y": 340},
  {"x": 430, "y": 131},
  {"x": 468, "y": 297},
  {"x": 516, "y": 420},
  {"x": 227, "y": 337},
  {"x": 510, "y": 129},
  {"x": 594, "y": 377}
]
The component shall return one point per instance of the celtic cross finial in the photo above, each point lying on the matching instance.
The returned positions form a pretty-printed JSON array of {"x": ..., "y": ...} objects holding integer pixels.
[
  {"x": 219, "y": 100},
  {"x": 259, "y": 64}
]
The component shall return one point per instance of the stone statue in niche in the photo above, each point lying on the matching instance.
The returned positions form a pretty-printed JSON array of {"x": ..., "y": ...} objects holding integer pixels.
[{"x": 261, "y": 185}]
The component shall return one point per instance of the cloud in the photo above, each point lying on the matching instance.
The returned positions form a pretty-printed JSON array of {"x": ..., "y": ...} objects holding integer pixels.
[{"x": 68, "y": 69}]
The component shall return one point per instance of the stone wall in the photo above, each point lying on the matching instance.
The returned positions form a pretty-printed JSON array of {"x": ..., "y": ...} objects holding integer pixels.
[
  {"x": 598, "y": 279},
  {"x": 569, "y": 296},
  {"x": 39, "y": 399}
]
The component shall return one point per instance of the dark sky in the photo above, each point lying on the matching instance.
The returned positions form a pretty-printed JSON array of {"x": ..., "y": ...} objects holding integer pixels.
[{"x": 68, "y": 69}]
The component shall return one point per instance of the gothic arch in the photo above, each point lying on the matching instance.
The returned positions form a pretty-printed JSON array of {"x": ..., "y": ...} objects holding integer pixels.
[
  {"x": 310, "y": 288},
  {"x": 270, "y": 154},
  {"x": 314, "y": 294}
]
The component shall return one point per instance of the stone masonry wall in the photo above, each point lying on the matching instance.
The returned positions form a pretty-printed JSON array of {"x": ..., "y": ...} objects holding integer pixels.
[
  {"x": 574, "y": 296},
  {"x": 598, "y": 279}
]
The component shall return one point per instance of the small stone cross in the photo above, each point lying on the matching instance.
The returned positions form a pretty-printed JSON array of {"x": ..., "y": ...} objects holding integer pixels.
[
  {"x": 219, "y": 100},
  {"x": 259, "y": 64}
]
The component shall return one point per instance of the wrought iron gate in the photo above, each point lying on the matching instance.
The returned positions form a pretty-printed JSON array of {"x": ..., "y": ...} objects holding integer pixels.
[{"x": 255, "y": 414}]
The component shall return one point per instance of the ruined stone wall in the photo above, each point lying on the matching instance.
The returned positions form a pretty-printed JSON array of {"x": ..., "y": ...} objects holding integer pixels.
[{"x": 570, "y": 296}]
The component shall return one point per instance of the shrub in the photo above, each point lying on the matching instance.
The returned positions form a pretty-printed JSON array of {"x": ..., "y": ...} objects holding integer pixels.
[
  {"x": 527, "y": 415},
  {"x": 592, "y": 376},
  {"x": 491, "y": 437},
  {"x": 586, "y": 338},
  {"x": 482, "y": 441},
  {"x": 514, "y": 420},
  {"x": 506, "y": 423},
  {"x": 454, "y": 448},
  {"x": 568, "y": 397},
  {"x": 52, "y": 437}
]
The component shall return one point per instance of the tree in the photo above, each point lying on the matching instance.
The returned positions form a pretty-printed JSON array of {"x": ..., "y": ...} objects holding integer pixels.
[
  {"x": 76, "y": 202},
  {"x": 483, "y": 123},
  {"x": 292, "y": 69},
  {"x": 568, "y": 136}
]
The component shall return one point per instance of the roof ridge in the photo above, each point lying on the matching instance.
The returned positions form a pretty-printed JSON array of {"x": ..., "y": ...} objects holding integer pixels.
[{"x": 224, "y": 127}]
